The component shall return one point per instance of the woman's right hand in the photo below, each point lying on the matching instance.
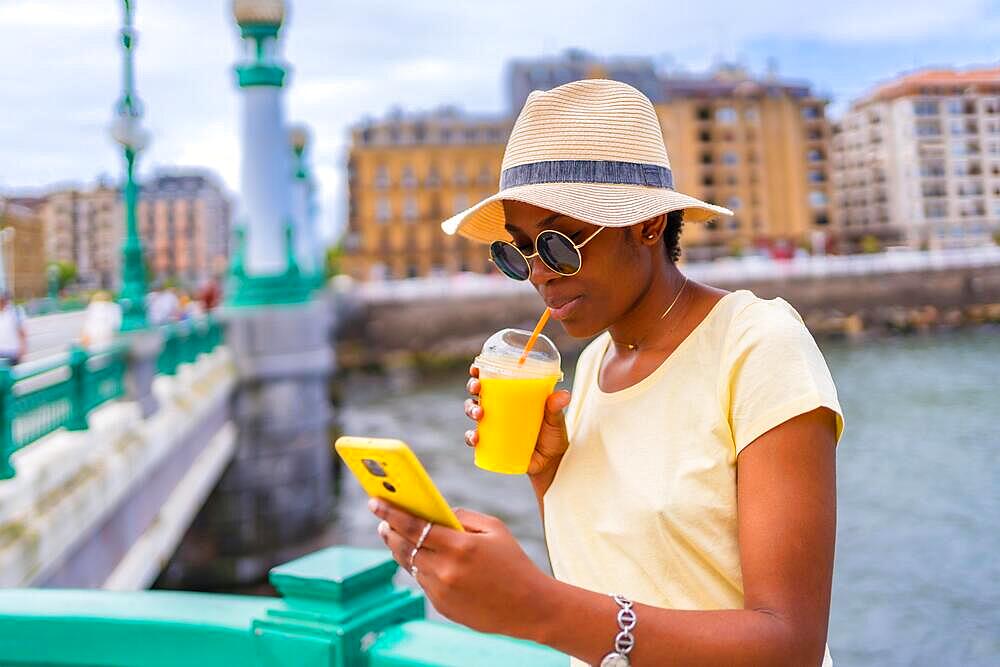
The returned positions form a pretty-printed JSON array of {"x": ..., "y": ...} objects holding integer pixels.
[{"x": 552, "y": 438}]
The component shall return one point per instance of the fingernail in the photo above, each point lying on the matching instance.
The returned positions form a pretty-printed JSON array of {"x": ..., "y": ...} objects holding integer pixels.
[
  {"x": 383, "y": 528},
  {"x": 373, "y": 505}
]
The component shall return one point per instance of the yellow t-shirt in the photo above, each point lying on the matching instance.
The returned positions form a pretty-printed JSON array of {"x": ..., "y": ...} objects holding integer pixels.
[{"x": 644, "y": 501}]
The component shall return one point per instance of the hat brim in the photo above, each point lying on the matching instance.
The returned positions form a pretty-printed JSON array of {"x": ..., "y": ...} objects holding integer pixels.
[{"x": 604, "y": 205}]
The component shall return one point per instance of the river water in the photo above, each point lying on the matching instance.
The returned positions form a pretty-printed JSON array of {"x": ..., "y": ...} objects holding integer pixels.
[{"x": 917, "y": 576}]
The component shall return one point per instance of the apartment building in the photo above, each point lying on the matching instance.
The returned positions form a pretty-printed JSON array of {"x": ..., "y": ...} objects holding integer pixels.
[
  {"x": 916, "y": 162},
  {"x": 407, "y": 173}
]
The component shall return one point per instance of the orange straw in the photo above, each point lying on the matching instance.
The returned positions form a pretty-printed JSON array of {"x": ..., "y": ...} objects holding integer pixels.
[{"x": 534, "y": 336}]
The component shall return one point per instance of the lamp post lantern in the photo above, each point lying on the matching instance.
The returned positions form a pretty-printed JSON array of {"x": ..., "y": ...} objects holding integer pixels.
[{"x": 126, "y": 129}]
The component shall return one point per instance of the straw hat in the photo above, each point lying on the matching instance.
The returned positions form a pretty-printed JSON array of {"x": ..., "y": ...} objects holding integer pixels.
[{"x": 592, "y": 150}]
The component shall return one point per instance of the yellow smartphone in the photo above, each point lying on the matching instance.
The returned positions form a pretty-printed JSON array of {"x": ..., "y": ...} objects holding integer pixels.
[{"x": 390, "y": 470}]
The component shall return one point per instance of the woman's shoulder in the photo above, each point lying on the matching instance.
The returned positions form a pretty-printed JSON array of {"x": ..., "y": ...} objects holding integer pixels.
[{"x": 748, "y": 313}]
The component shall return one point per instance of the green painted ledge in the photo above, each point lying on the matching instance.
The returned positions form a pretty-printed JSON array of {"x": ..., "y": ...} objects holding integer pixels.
[{"x": 338, "y": 608}]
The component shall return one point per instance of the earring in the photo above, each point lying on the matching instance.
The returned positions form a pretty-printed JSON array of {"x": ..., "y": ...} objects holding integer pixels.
[{"x": 650, "y": 236}]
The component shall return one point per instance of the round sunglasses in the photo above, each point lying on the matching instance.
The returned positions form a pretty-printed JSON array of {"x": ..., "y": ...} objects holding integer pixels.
[{"x": 556, "y": 250}]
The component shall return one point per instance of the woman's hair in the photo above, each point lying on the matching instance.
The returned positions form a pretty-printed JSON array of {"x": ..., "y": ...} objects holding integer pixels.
[{"x": 672, "y": 234}]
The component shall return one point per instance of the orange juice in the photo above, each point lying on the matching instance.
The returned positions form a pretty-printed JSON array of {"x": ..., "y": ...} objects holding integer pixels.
[
  {"x": 512, "y": 415},
  {"x": 512, "y": 395}
]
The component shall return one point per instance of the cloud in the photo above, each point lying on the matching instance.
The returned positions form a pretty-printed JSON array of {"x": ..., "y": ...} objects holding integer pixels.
[{"x": 359, "y": 58}]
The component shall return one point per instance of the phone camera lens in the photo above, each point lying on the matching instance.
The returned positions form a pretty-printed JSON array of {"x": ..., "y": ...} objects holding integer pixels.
[
  {"x": 374, "y": 468},
  {"x": 389, "y": 487}
]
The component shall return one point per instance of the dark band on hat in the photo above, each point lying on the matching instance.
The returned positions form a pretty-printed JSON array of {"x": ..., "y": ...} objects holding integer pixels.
[{"x": 588, "y": 171}]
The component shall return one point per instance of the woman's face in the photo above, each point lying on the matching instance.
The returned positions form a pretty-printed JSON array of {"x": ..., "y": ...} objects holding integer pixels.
[{"x": 616, "y": 268}]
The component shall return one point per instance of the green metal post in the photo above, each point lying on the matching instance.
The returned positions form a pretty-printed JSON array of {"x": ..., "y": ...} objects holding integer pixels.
[
  {"x": 132, "y": 296},
  {"x": 79, "y": 389},
  {"x": 6, "y": 420}
]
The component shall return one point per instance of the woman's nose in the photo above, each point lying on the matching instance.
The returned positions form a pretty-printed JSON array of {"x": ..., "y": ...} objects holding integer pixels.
[{"x": 540, "y": 272}]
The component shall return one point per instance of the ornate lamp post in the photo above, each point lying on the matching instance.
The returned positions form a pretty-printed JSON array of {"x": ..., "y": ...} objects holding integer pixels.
[
  {"x": 264, "y": 269},
  {"x": 127, "y": 131},
  {"x": 303, "y": 203}
]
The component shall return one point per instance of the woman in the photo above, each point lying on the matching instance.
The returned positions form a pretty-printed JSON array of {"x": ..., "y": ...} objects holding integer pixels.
[{"x": 688, "y": 497}]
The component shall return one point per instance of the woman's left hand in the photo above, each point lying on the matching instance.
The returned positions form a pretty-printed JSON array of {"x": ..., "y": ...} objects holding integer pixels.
[{"x": 480, "y": 578}]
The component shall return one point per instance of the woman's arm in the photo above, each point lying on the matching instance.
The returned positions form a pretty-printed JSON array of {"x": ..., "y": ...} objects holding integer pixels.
[
  {"x": 786, "y": 495},
  {"x": 787, "y": 518}
]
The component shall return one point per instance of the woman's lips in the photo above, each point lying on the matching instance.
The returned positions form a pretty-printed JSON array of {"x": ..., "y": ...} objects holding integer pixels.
[{"x": 565, "y": 309}]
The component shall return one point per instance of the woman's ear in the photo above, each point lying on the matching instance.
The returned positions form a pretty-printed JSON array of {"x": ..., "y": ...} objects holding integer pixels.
[{"x": 652, "y": 230}]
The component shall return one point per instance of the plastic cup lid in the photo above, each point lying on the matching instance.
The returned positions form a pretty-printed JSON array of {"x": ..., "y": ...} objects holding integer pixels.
[{"x": 502, "y": 350}]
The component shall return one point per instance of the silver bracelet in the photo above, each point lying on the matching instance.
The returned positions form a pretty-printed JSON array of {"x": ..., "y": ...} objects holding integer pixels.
[{"x": 624, "y": 640}]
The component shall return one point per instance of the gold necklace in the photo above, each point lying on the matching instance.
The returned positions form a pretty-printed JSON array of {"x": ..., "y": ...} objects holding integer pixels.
[{"x": 635, "y": 346}]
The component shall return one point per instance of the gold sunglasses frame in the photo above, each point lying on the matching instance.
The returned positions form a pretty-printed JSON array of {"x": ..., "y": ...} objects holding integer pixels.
[{"x": 528, "y": 258}]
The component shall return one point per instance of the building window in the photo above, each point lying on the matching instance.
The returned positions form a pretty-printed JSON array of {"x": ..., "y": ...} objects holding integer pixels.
[
  {"x": 926, "y": 108},
  {"x": 955, "y": 106},
  {"x": 707, "y": 180},
  {"x": 706, "y": 158},
  {"x": 751, "y": 115},
  {"x": 730, "y": 158},
  {"x": 459, "y": 177},
  {"x": 733, "y": 203},
  {"x": 445, "y": 134},
  {"x": 485, "y": 173},
  {"x": 704, "y": 113},
  {"x": 433, "y": 177},
  {"x": 928, "y": 128},
  {"x": 460, "y": 202},
  {"x": 410, "y": 209},
  {"x": 383, "y": 210},
  {"x": 704, "y": 136},
  {"x": 816, "y": 176},
  {"x": 814, "y": 155},
  {"x": 931, "y": 169},
  {"x": 409, "y": 179},
  {"x": 725, "y": 115},
  {"x": 381, "y": 176},
  {"x": 817, "y": 199}
]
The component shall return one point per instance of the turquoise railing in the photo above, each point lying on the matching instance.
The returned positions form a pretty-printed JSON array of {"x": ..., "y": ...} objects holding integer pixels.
[
  {"x": 40, "y": 397},
  {"x": 338, "y": 608},
  {"x": 184, "y": 341}
]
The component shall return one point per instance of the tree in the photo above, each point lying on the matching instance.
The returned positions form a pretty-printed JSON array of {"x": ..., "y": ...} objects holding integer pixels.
[
  {"x": 332, "y": 259},
  {"x": 66, "y": 272}
]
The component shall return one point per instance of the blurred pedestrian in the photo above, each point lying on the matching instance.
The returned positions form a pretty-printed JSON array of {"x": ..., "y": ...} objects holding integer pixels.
[
  {"x": 13, "y": 339},
  {"x": 163, "y": 306},
  {"x": 101, "y": 321}
]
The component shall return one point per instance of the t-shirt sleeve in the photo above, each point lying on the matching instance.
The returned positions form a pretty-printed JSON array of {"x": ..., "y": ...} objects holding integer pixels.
[{"x": 775, "y": 371}]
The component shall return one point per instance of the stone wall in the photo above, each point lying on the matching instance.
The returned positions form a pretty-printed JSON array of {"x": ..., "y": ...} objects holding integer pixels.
[
  {"x": 107, "y": 506},
  {"x": 390, "y": 331},
  {"x": 275, "y": 496}
]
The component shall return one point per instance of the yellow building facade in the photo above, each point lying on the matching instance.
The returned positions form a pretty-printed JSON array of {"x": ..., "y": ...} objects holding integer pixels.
[
  {"x": 758, "y": 147},
  {"x": 406, "y": 174}
]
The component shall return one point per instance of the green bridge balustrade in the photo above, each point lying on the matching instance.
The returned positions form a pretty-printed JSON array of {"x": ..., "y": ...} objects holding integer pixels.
[
  {"x": 39, "y": 398},
  {"x": 338, "y": 608},
  {"x": 184, "y": 341}
]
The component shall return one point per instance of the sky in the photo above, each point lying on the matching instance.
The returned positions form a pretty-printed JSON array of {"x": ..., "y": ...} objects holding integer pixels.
[{"x": 61, "y": 72}]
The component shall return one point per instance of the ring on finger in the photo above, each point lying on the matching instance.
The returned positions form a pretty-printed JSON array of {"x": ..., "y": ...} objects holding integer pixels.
[{"x": 423, "y": 536}]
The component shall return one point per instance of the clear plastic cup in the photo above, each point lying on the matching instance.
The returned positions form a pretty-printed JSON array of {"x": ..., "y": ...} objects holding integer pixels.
[{"x": 513, "y": 398}]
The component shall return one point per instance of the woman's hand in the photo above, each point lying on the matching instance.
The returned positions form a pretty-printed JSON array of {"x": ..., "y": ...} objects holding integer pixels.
[
  {"x": 552, "y": 439},
  {"x": 480, "y": 578}
]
